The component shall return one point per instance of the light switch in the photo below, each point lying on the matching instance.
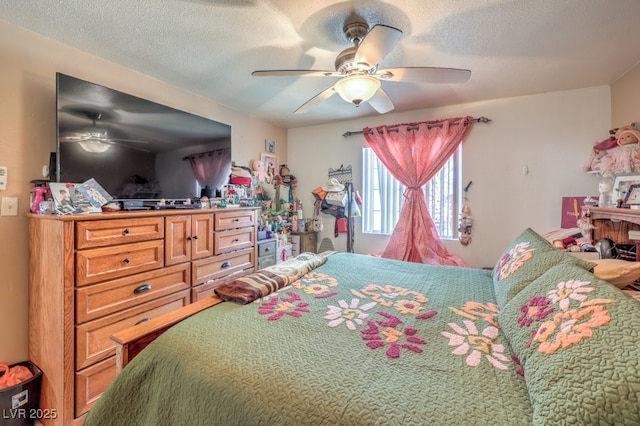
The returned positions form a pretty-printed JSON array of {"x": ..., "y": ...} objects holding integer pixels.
[{"x": 9, "y": 206}]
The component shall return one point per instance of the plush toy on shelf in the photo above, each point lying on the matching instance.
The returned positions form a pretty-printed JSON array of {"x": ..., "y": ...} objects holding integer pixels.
[
  {"x": 258, "y": 171},
  {"x": 594, "y": 163},
  {"x": 623, "y": 157}
]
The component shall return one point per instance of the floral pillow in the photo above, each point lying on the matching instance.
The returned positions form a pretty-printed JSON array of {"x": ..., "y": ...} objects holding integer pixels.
[
  {"x": 528, "y": 257},
  {"x": 576, "y": 337}
]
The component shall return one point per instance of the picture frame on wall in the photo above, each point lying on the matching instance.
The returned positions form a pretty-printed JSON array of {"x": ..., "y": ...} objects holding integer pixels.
[
  {"x": 621, "y": 185},
  {"x": 270, "y": 146},
  {"x": 270, "y": 165}
]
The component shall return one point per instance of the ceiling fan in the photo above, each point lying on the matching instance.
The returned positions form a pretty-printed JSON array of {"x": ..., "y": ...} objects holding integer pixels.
[
  {"x": 93, "y": 138},
  {"x": 357, "y": 67}
]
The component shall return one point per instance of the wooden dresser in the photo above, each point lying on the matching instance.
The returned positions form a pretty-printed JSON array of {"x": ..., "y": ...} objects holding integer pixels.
[
  {"x": 93, "y": 275},
  {"x": 614, "y": 223}
]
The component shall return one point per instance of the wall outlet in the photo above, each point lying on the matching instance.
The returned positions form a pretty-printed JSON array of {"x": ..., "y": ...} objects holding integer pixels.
[{"x": 9, "y": 206}]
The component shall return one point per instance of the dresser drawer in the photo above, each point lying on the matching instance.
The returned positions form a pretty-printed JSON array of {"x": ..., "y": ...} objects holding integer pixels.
[
  {"x": 234, "y": 219},
  {"x": 266, "y": 248},
  {"x": 219, "y": 266},
  {"x": 92, "y": 382},
  {"x": 97, "y": 300},
  {"x": 237, "y": 239},
  {"x": 266, "y": 261},
  {"x": 93, "y": 342},
  {"x": 207, "y": 289},
  {"x": 107, "y": 263},
  {"x": 102, "y": 233}
]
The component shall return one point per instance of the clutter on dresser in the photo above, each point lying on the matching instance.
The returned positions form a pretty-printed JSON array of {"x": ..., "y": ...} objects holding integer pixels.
[
  {"x": 77, "y": 198},
  {"x": 40, "y": 198}
]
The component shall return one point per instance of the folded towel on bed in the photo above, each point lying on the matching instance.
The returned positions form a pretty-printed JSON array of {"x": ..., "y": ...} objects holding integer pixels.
[{"x": 265, "y": 281}]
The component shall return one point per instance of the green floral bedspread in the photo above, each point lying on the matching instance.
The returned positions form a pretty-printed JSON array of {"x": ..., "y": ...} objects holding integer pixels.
[{"x": 357, "y": 341}]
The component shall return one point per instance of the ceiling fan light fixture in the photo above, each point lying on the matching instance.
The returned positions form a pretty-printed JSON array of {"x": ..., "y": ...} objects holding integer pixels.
[
  {"x": 357, "y": 88},
  {"x": 94, "y": 146}
]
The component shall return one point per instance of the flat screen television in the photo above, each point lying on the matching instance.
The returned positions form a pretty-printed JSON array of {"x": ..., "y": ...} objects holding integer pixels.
[{"x": 134, "y": 148}]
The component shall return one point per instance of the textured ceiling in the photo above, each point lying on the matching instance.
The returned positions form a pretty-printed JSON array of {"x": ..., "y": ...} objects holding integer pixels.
[{"x": 210, "y": 47}]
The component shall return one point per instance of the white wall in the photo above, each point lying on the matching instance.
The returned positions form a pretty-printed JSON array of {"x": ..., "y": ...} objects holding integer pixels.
[{"x": 551, "y": 134}]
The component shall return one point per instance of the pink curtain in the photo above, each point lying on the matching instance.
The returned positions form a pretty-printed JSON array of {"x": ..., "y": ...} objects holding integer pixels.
[
  {"x": 414, "y": 153},
  {"x": 211, "y": 169}
]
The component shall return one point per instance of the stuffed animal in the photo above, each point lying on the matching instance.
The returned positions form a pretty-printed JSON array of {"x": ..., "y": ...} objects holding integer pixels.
[
  {"x": 258, "y": 171},
  {"x": 594, "y": 163},
  {"x": 625, "y": 158}
]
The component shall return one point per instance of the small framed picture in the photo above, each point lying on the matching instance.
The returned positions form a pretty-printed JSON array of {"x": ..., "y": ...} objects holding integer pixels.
[
  {"x": 270, "y": 166},
  {"x": 632, "y": 197},
  {"x": 622, "y": 184},
  {"x": 270, "y": 146}
]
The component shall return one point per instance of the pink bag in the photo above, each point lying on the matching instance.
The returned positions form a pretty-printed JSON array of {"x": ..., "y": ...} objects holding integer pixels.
[{"x": 341, "y": 226}]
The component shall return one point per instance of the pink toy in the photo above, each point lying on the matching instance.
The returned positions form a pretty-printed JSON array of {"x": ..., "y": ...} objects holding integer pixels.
[
  {"x": 259, "y": 171},
  {"x": 625, "y": 157}
]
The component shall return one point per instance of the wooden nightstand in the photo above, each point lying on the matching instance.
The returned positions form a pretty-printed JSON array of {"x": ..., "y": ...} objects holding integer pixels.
[{"x": 306, "y": 241}]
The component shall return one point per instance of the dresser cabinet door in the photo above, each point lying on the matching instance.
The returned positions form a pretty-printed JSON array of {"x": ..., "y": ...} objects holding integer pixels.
[
  {"x": 177, "y": 241},
  {"x": 202, "y": 240}
]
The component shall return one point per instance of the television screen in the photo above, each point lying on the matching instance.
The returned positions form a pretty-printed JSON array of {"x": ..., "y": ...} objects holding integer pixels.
[{"x": 134, "y": 148}]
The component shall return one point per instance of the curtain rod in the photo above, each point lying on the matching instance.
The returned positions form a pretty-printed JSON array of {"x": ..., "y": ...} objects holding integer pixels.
[
  {"x": 475, "y": 120},
  {"x": 215, "y": 151}
]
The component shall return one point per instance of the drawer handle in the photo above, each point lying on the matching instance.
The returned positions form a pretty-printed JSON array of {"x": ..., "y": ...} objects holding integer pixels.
[
  {"x": 126, "y": 260},
  {"x": 235, "y": 240},
  {"x": 143, "y": 320},
  {"x": 226, "y": 264},
  {"x": 267, "y": 249},
  {"x": 126, "y": 231},
  {"x": 189, "y": 238},
  {"x": 142, "y": 288},
  {"x": 195, "y": 237},
  {"x": 236, "y": 219}
]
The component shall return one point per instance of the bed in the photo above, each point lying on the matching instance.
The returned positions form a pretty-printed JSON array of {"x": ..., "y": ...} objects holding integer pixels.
[{"x": 351, "y": 339}]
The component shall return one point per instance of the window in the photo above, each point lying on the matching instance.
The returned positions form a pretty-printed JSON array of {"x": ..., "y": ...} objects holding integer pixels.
[{"x": 383, "y": 196}]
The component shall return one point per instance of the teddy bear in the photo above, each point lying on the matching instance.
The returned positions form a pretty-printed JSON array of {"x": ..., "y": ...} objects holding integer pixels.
[
  {"x": 625, "y": 157},
  {"x": 258, "y": 170}
]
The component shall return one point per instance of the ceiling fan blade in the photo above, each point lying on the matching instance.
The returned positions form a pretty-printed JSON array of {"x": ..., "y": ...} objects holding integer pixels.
[
  {"x": 316, "y": 100},
  {"x": 381, "y": 102},
  {"x": 127, "y": 140},
  {"x": 296, "y": 73},
  {"x": 72, "y": 138},
  {"x": 377, "y": 44},
  {"x": 424, "y": 75}
]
